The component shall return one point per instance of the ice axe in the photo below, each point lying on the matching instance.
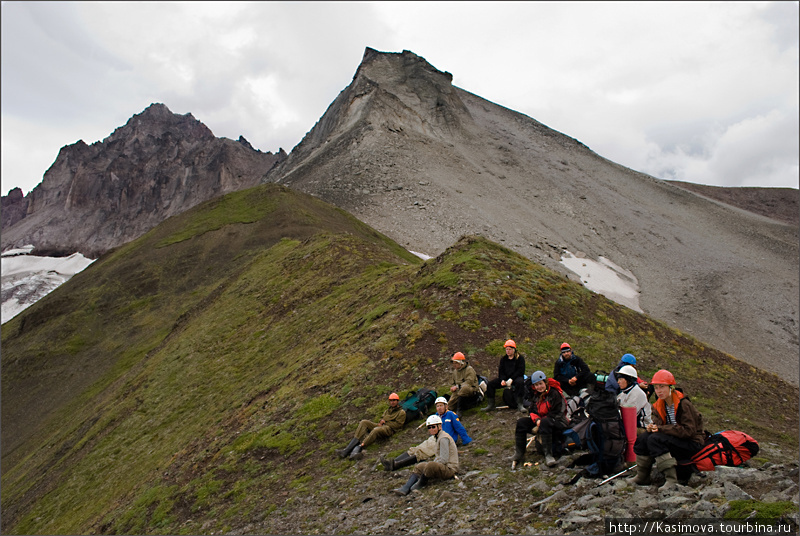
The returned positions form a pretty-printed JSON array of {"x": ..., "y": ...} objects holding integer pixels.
[{"x": 609, "y": 479}]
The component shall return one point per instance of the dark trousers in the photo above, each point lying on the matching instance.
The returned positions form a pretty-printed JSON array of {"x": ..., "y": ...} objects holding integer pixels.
[
  {"x": 657, "y": 443},
  {"x": 547, "y": 427},
  {"x": 517, "y": 386}
]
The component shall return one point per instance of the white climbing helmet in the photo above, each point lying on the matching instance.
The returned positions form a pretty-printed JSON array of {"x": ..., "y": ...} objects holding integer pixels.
[
  {"x": 441, "y": 399},
  {"x": 433, "y": 419},
  {"x": 628, "y": 370}
]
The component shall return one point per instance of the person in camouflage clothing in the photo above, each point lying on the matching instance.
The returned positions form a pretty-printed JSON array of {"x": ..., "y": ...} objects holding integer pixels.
[{"x": 368, "y": 432}]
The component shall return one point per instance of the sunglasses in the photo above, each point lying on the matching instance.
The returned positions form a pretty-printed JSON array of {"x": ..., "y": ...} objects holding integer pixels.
[{"x": 432, "y": 426}]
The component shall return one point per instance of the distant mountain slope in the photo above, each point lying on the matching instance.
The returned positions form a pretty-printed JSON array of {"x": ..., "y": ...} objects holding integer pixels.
[
  {"x": 782, "y": 204},
  {"x": 199, "y": 378},
  {"x": 96, "y": 197},
  {"x": 425, "y": 162}
]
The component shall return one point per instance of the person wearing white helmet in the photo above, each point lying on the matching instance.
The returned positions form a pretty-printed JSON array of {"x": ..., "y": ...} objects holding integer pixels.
[
  {"x": 630, "y": 394},
  {"x": 451, "y": 423},
  {"x": 427, "y": 449},
  {"x": 611, "y": 381},
  {"x": 444, "y": 464}
]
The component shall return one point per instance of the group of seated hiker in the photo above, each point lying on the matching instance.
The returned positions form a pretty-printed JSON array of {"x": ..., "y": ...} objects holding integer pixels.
[{"x": 669, "y": 430}]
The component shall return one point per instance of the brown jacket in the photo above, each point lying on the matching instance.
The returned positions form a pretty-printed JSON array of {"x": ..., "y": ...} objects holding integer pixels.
[
  {"x": 466, "y": 376},
  {"x": 690, "y": 421},
  {"x": 394, "y": 418}
]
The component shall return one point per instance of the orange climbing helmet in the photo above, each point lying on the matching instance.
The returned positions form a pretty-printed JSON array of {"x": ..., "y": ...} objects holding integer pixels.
[
  {"x": 510, "y": 343},
  {"x": 394, "y": 396},
  {"x": 663, "y": 377},
  {"x": 458, "y": 356}
]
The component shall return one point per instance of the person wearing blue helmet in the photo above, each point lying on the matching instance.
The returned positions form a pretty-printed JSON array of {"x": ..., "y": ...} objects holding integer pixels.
[
  {"x": 611, "y": 382},
  {"x": 547, "y": 419}
]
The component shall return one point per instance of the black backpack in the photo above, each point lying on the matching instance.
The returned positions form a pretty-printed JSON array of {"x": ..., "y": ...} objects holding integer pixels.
[
  {"x": 417, "y": 403},
  {"x": 605, "y": 436}
]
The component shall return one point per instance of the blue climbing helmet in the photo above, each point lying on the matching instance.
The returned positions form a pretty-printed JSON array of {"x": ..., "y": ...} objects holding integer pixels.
[
  {"x": 537, "y": 377},
  {"x": 629, "y": 359}
]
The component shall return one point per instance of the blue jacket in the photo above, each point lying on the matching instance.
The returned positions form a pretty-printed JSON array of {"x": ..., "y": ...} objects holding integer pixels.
[
  {"x": 611, "y": 382},
  {"x": 454, "y": 428}
]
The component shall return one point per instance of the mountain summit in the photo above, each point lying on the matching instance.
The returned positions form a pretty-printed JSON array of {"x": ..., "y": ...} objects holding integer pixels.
[
  {"x": 96, "y": 197},
  {"x": 425, "y": 162}
]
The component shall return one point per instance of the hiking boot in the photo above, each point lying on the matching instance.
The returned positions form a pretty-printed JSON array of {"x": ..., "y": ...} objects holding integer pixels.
[
  {"x": 643, "y": 466},
  {"x": 520, "y": 407},
  {"x": 388, "y": 465},
  {"x": 547, "y": 449},
  {"x": 519, "y": 456},
  {"x": 419, "y": 483},
  {"x": 665, "y": 464},
  {"x": 343, "y": 453},
  {"x": 356, "y": 454},
  {"x": 490, "y": 406},
  {"x": 401, "y": 461},
  {"x": 406, "y": 489}
]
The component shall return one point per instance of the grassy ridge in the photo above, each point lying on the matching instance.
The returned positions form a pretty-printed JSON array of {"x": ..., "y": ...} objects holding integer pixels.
[{"x": 221, "y": 359}]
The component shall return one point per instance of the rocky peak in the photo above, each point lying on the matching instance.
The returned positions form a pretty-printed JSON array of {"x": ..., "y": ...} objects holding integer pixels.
[
  {"x": 398, "y": 92},
  {"x": 158, "y": 121},
  {"x": 14, "y": 207},
  {"x": 95, "y": 197}
]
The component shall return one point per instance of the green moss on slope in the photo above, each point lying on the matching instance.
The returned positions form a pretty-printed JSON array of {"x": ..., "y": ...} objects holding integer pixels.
[{"x": 207, "y": 371}]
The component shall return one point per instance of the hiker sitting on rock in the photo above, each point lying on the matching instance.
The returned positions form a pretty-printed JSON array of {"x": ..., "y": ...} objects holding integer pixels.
[
  {"x": 630, "y": 394},
  {"x": 464, "y": 388},
  {"x": 611, "y": 382},
  {"x": 510, "y": 375},
  {"x": 427, "y": 449},
  {"x": 444, "y": 464},
  {"x": 548, "y": 418},
  {"x": 676, "y": 433},
  {"x": 367, "y": 432},
  {"x": 451, "y": 423},
  {"x": 571, "y": 372}
]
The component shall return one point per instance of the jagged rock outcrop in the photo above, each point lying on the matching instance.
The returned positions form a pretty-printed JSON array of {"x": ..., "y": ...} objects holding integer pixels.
[
  {"x": 95, "y": 197},
  {"x": 425, "y": 162},
  {"x": 14, "y": 207}
]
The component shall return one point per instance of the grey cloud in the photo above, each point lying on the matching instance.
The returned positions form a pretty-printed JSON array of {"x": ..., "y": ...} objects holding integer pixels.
[{"x": 784, "y": 17}]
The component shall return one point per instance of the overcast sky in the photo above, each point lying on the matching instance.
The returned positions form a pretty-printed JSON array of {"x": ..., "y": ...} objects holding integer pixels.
[{"x": 695, "y": 91}]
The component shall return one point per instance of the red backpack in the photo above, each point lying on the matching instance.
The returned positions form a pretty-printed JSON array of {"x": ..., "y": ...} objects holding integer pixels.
[{"x": 729, "y": 447}]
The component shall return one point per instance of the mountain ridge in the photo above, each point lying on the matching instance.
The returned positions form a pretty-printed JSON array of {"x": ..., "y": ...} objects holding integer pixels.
[{"x": 425, "y": 162}]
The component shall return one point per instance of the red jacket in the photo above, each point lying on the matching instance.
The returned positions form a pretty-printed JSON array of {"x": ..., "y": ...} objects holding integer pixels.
[{"x": 549, "y": 403}]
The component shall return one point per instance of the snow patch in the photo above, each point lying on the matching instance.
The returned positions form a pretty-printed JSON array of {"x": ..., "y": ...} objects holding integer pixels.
[
  {"x": 28, "y": 278},
  {"x": 421, "y": 255},
  {"x": 606, "y": 278}
]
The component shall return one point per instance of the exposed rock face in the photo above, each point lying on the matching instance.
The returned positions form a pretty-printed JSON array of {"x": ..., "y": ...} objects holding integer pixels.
[
  {"x": 14, "y": 207},
  {"x": 95, "y": 197},
  {"x": 426, "y": 162}
]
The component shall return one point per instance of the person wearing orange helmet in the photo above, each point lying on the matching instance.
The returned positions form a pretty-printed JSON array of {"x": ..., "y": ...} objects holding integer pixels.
[
  {"x": 571, "y": 372},
  {"x": 676, "y": 432},
  {"x": 368, "y": 432},
  {"x": 464, "y": 385},
  {"x": 510, "y": 375}
]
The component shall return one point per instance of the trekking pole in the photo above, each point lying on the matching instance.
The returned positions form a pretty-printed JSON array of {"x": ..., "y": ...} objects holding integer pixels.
[
  {"x": 609, "y": 479},
  {"x": 530, "y": 441}
]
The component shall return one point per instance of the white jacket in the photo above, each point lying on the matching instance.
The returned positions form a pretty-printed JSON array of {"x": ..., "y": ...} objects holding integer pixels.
[{"x": 635, "y": 397}]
